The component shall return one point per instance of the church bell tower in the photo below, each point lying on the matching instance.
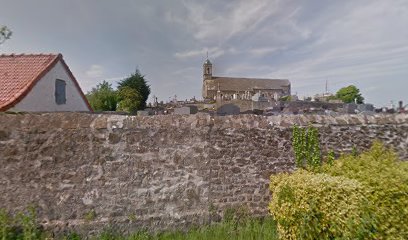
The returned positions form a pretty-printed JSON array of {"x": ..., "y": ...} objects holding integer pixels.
[{"x": 207, "y": 70}]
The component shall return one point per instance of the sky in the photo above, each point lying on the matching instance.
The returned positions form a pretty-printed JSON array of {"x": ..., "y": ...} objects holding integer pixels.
[{"x": 358, "y": 42}]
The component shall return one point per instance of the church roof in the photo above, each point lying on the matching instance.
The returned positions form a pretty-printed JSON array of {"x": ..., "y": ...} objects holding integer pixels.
[
  {"x": 248, "y": 84},
  {"x": 207, "y": 62}
]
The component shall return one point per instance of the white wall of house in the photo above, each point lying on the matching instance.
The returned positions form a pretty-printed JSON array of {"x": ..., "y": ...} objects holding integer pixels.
[{"x": 41, "y": 98}]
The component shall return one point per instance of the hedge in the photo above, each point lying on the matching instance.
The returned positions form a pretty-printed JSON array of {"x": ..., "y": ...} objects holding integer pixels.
[
  {"x": 385, "y": 178},
  {"x": 355, "y": 197},
  {"x": 319, "y": 206}
]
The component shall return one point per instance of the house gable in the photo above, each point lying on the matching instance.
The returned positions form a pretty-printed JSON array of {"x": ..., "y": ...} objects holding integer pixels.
[
  {"x": 42, "y": 97},
  {"x": 25, "y": 81}
]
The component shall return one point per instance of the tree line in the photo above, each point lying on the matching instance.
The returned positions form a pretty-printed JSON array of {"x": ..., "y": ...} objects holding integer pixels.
[{"x": 130, "y": 96}]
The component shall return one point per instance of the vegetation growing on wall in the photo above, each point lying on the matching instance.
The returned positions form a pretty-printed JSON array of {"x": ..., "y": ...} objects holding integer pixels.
[{"x": 305, "y": 142}]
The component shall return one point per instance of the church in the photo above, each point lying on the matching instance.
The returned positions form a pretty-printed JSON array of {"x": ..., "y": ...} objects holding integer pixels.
[{"x": 232, "y": 88}]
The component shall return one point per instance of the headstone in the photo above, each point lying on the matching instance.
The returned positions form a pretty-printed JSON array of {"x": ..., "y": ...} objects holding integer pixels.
[
  {"x": 186, "y": 110},
  {"x": 143, "y": 113},
  {"x": 365, "y": 107},
  {"x": 228, "y": 109}
]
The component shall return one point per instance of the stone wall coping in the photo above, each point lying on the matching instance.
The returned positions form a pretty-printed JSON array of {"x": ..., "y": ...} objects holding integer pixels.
[{"x": 246, "y": 121}]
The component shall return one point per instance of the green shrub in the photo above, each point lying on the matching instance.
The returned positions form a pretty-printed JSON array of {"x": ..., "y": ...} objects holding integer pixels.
[
  {"x": 319, "y": 206},
  {"x": 6, "y": 225},
  {"x": 28, "y": 221},
  {"x": 354, "y": 197},
  {"x": 385, "y": 179},
  {"x": 22, "y": 225}
]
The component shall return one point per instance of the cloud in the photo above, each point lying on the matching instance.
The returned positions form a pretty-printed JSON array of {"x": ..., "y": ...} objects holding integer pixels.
[
  {"x": 224, "y": 21},
  {"x": 260, "y": 52},
  {"x": 248, "y": 70},
  {"x": 95, "y": 71},
  {"x": 212, "y": 53},
  {"x": 185, "y": 71},
  {"x": 202, "y": 52}
]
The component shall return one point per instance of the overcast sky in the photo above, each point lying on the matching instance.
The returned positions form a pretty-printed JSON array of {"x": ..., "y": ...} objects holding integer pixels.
[{"x": 360, "y": 42}]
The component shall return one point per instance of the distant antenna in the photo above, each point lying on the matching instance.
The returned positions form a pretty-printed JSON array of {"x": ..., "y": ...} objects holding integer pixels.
[
  {"x": 207, "y": 54},
  {"x": 326, "y": 87}
]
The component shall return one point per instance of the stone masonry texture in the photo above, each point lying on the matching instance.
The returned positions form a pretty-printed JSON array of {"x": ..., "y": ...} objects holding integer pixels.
[{"x": 84, "y": 172}]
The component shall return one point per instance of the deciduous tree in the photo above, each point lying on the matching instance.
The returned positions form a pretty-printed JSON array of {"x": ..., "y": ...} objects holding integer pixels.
[
  {"x": 350, "y": 94},
  {"x": 103, "y": 97}
]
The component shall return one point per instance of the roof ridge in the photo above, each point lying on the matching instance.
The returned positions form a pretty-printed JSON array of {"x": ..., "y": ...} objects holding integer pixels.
[
  {"x": 29, "y": 54},
  {"x": 251, "y": 78}
]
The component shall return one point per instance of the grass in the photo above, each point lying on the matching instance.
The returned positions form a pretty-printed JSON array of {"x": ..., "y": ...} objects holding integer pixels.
[
  {"x": 236, "y": 225},
  {"x": 251, "y": 229}
]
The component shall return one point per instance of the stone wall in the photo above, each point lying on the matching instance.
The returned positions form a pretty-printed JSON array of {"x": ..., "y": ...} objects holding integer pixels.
[
  {"x": 88, "y": 171},
  {"x": 241, "y": 106}
]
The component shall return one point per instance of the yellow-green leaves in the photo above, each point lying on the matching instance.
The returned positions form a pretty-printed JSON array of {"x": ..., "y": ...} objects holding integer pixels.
[
  {"x": 318, "y": 206},
  {"x": 354, "y": 197},
  {"x": 385, "y": 178}
]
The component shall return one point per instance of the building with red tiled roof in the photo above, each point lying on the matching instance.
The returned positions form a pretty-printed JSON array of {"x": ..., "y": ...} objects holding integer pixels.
[{"x": 39, "y": 83}]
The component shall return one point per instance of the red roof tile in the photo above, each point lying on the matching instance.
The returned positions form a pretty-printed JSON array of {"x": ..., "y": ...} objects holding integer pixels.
[{"x": 19, "y": 74}]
